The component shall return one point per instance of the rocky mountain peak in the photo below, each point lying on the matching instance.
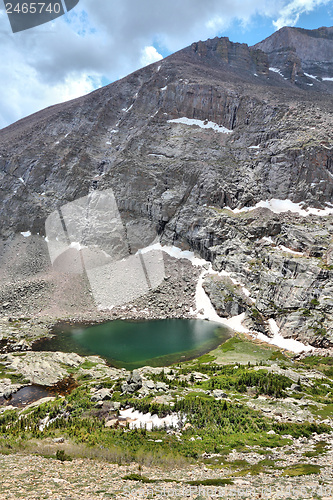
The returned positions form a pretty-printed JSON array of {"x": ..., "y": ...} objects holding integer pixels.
[
  {"x": 303, "y": 56},
  {"x": 237, "y": 55}
]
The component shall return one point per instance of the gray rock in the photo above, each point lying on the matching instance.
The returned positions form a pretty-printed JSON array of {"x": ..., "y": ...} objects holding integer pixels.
[
  {"x": 42, "y": 368},
  {"x": 133, "y": 383},
  {"x": 227, "y": 298},
  {"x": 161, "y": 386},
  {"x": 217, "y": 393},
  {"x": 58, "y": 440},
  {"x": 148, "y": 384},
  {"x": 115, "y": 405},
  {"x": 101, "y": 395},
  {"x": 7, "y": 388}
]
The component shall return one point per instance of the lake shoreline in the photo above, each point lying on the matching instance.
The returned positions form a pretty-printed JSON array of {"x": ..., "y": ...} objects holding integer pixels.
[{"x": 133, "y": 343}]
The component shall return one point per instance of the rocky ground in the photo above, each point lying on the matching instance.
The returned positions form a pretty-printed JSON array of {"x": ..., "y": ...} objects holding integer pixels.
[
  {"x": 21, "y": 326},
  {"x": 300, "y": 469},
  {"x": 33, "y": 477}
]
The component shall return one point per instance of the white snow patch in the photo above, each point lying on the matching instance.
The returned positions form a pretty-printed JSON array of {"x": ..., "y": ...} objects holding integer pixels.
[
  {"x": 311, "y": 76},
  {"x": 129, "y": 108},
  {"x": 327, "y": 79},
  {"x": 108, "y": 142},
  {"x": 202, "y": 124},
  {"x": 276, "y": 70},
  {"x": 20, "y": 179},
  {"x": 57, "y": 142},
  {"x": 255, "y": 74},
  {"x": 310, "y": 84},
  {"x": 277, "y": 339},
  {"x": 273, "y": 326},
  {"x": 280, "y": 206},
  {"x": 286, "y": 249},
  {"x": 158, "y": 68},
  {"x": 201, "y": 298},
  {"x": 164, "y": 88},
  {"x": 176, "y": 252},
  {"x": 148, "y": 421},
  {"x": 26, "y": 234},
  {"x": 254, "y": 147},
  {"x": 155, "y": 154},
  {"x": 281, "y": 247},
  {"x": 76, "y": 245},
  {"x": 67, "y": 134}
]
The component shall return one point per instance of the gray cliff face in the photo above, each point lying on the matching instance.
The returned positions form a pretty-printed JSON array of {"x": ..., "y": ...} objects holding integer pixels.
[
  {"x": 305, "y": 57},
  {"x": 178, "y": 180}
]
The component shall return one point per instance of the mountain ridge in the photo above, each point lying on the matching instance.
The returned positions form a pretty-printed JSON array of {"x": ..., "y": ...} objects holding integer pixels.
[{"x": 189, "y": 184}]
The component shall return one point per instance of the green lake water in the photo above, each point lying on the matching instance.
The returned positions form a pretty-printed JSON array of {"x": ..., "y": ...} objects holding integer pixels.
[{"x": 131, "y": 344}]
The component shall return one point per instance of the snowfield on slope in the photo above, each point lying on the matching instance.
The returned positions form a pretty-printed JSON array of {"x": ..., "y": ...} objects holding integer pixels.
[
  {"x": 202, "y": 124},
  {"x": 280, "y": 206}
]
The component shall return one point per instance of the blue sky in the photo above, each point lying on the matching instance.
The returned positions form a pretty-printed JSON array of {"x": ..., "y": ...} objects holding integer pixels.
[{"x": 100, "y": 41}]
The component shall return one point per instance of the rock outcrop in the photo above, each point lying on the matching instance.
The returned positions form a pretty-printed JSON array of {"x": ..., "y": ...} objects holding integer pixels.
[
  {"x": 305, "y": 57},
  {"x": 133, "y": 383}
]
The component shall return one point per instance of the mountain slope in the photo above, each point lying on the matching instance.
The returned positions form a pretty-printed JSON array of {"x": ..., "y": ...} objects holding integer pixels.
[
  {"x": 177, "y": 179},
  {"x": 304, "y": 56}
]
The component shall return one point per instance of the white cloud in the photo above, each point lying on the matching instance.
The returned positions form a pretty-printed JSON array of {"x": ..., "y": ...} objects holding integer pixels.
[
  {"x": 23, "y": 91},
  {"x": 149, "y": 56},
  {"x": 289, "y": 14}
]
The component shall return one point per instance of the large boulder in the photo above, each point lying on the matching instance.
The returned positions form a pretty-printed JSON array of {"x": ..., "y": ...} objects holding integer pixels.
[{"x": 133, "y": 383}]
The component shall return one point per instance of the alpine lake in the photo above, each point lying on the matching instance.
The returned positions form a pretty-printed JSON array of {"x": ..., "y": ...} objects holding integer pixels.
[{"x": 133, "y": 344}]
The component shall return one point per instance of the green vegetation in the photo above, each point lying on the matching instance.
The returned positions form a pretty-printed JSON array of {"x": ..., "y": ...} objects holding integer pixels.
[
  {"x": 138, "y": 477},
  {"x": 240, "y": 350},
  {"x": 215, "y": 427},
  {"x": 301, "y": 470},
  {"x": 255, "y": 469},
  {"x": 211, "y": 482},
  {"x": 206, "y": 358},
  {"x": 323, "y": 364},
  {"x": 278, "y": 356},
  {"x": 306, "y": 312},
  {"x": 62, "y": 456},
  {"x": 319, "y": 448},
  {"x": 315, "y": 302},
  {"x": 16, "y": 378},
  {"x": 230, "y": 344},
  {"x": 241, "y": 378}
]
